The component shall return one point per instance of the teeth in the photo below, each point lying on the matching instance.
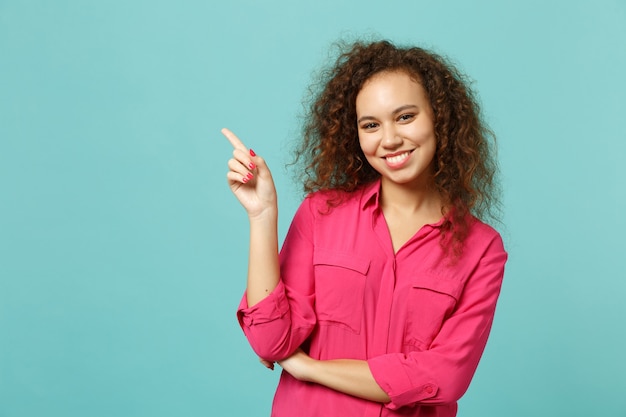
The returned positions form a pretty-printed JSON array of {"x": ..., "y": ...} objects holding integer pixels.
[{"x": 398, "y": 158}]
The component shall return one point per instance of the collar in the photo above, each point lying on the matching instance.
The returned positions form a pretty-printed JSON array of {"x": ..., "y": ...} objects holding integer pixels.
[{"x": 371, "y": 195}]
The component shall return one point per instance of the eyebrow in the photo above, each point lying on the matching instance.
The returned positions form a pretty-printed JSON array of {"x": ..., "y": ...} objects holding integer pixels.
[{"x": 396, "y": 111}]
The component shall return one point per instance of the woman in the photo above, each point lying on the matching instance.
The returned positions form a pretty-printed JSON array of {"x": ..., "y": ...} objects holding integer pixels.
[{"x": 382, "y": 298}]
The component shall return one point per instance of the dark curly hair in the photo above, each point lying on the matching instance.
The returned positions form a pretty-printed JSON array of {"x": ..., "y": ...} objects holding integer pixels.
[{"x": 464, "y": 162}]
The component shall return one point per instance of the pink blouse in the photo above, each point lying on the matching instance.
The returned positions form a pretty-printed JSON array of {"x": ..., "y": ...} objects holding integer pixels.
[{"x": 420, "y": 322}]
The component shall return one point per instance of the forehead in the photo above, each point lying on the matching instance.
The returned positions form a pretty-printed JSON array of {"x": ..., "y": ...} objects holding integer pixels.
[
  {"x": 395, "y": 73},
  {"x": 391, "y": 88}
]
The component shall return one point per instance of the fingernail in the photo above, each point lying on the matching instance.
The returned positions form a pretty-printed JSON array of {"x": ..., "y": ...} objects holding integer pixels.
[
  {"x": 245, "y": 179},
  {"x": 251, "y": 165},
  {"x": 252, "y": 153},
  {"x": 249, "y": 176}
]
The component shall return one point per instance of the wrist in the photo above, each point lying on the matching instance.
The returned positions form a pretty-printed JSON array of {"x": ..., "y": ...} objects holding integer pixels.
[
  {"x": 269, "y": 214},
  {"x": 312, "y": 369}
]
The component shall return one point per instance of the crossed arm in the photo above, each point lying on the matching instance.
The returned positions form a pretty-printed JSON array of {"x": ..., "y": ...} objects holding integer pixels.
[{"x": 349, "y": 376}]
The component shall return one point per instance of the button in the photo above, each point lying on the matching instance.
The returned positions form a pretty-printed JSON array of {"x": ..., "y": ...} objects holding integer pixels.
[{"x": 429, "y": 389}]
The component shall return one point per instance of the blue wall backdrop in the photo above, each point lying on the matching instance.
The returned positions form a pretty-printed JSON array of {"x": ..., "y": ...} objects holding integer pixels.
[{"x": 123, "y": 254}]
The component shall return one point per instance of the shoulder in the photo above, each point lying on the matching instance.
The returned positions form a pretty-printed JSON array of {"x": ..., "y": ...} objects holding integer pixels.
[
  {"x": 327, "y": 202},
  {"x": 483, "y": 255},
  {"x": 482, "y": 235},
  {"x": 480, "y": 229}
]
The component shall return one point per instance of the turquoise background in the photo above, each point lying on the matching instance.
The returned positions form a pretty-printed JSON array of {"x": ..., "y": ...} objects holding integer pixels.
[{"x": 123, "y": 253}]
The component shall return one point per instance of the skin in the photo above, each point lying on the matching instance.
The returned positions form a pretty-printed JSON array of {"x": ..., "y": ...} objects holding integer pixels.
[
  {"x": 394, "y": 117},
  {"x": 251, "y": 181},
  {"x": 397, "y": 135}
]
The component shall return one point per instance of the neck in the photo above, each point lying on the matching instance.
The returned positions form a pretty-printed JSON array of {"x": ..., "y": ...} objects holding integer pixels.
[{"x": 411, "y": 198}]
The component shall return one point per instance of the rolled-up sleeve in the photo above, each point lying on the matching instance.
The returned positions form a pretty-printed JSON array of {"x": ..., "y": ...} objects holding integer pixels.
[
  {"x": 442, "y": 373},
  {"x": 281, "y": 322}
]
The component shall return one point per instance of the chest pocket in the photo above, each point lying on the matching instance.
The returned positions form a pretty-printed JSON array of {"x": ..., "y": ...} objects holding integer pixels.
[
  {"x": 431, "y": 300},
  {"x": 339, "y": 288}
]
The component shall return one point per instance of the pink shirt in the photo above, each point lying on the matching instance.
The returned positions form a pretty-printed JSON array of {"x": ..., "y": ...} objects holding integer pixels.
[{"x": 421, "y": 323}]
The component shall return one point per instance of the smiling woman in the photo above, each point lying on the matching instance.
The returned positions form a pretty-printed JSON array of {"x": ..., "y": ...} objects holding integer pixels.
[
  {"x": 383, "y": 295},
  {"x": 397, "y": 137}
]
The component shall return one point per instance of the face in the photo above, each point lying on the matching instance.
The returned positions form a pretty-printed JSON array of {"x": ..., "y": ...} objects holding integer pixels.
[{"x": 396, "y": 129}]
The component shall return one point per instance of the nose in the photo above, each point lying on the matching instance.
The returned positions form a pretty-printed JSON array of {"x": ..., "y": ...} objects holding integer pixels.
[{"x": 391, "y": 139}]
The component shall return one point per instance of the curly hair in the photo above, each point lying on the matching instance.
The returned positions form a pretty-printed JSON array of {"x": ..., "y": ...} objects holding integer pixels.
[{"x": 464, "y": 162}]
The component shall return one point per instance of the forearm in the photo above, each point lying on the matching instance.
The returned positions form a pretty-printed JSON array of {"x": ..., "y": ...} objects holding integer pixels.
[
  {"x": 350, "y": 376},
  {"x": 263, "y": 264}
]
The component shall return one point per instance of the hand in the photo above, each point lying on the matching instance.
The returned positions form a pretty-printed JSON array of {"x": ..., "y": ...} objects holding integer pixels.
[
  {"x": 298, "y": 365},
  {"x": 269, "y": 365},
  {"x": 250, "y": 179}
]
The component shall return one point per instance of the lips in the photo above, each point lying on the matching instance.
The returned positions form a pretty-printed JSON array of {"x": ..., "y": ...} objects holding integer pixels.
[{"x": 397, "y": 159}]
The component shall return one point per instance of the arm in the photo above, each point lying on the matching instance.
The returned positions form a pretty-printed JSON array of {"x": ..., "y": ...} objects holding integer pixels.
[
  {"x": 251, "y": 181},
  {"x": 263, "y": 270},
  {"x": 438, "y": 375},
  {"x": 349, "y": 376},
  {"x": 276, "y": 313},
  {"x": 281, "y": 322},
  {"x": 442, "y": 373}
]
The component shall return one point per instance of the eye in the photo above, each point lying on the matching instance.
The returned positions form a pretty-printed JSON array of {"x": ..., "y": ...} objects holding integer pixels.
[
  {"x": 406, "y": 117},
  {"x": 368, "y": 126}
]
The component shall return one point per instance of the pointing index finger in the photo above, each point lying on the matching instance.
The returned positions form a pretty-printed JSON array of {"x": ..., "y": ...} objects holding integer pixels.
[{"x": 234, "y": 140}]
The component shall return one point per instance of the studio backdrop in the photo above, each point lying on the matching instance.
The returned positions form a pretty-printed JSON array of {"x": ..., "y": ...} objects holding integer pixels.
[{"x": 123, "y": 253}]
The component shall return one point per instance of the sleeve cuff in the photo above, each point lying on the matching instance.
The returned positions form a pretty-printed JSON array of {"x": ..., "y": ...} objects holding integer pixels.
[
  {"x": 272, "y": 307},
  {"x": 403, "y": 389}
]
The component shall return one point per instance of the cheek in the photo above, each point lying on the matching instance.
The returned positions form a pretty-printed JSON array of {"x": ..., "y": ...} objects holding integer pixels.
[
  {"x": 432, "y": 151},
  {"x": 367, "y": 146}
]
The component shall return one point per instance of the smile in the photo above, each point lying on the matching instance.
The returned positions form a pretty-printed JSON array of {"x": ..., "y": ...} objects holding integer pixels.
[{"x": 397, "y": 160}]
